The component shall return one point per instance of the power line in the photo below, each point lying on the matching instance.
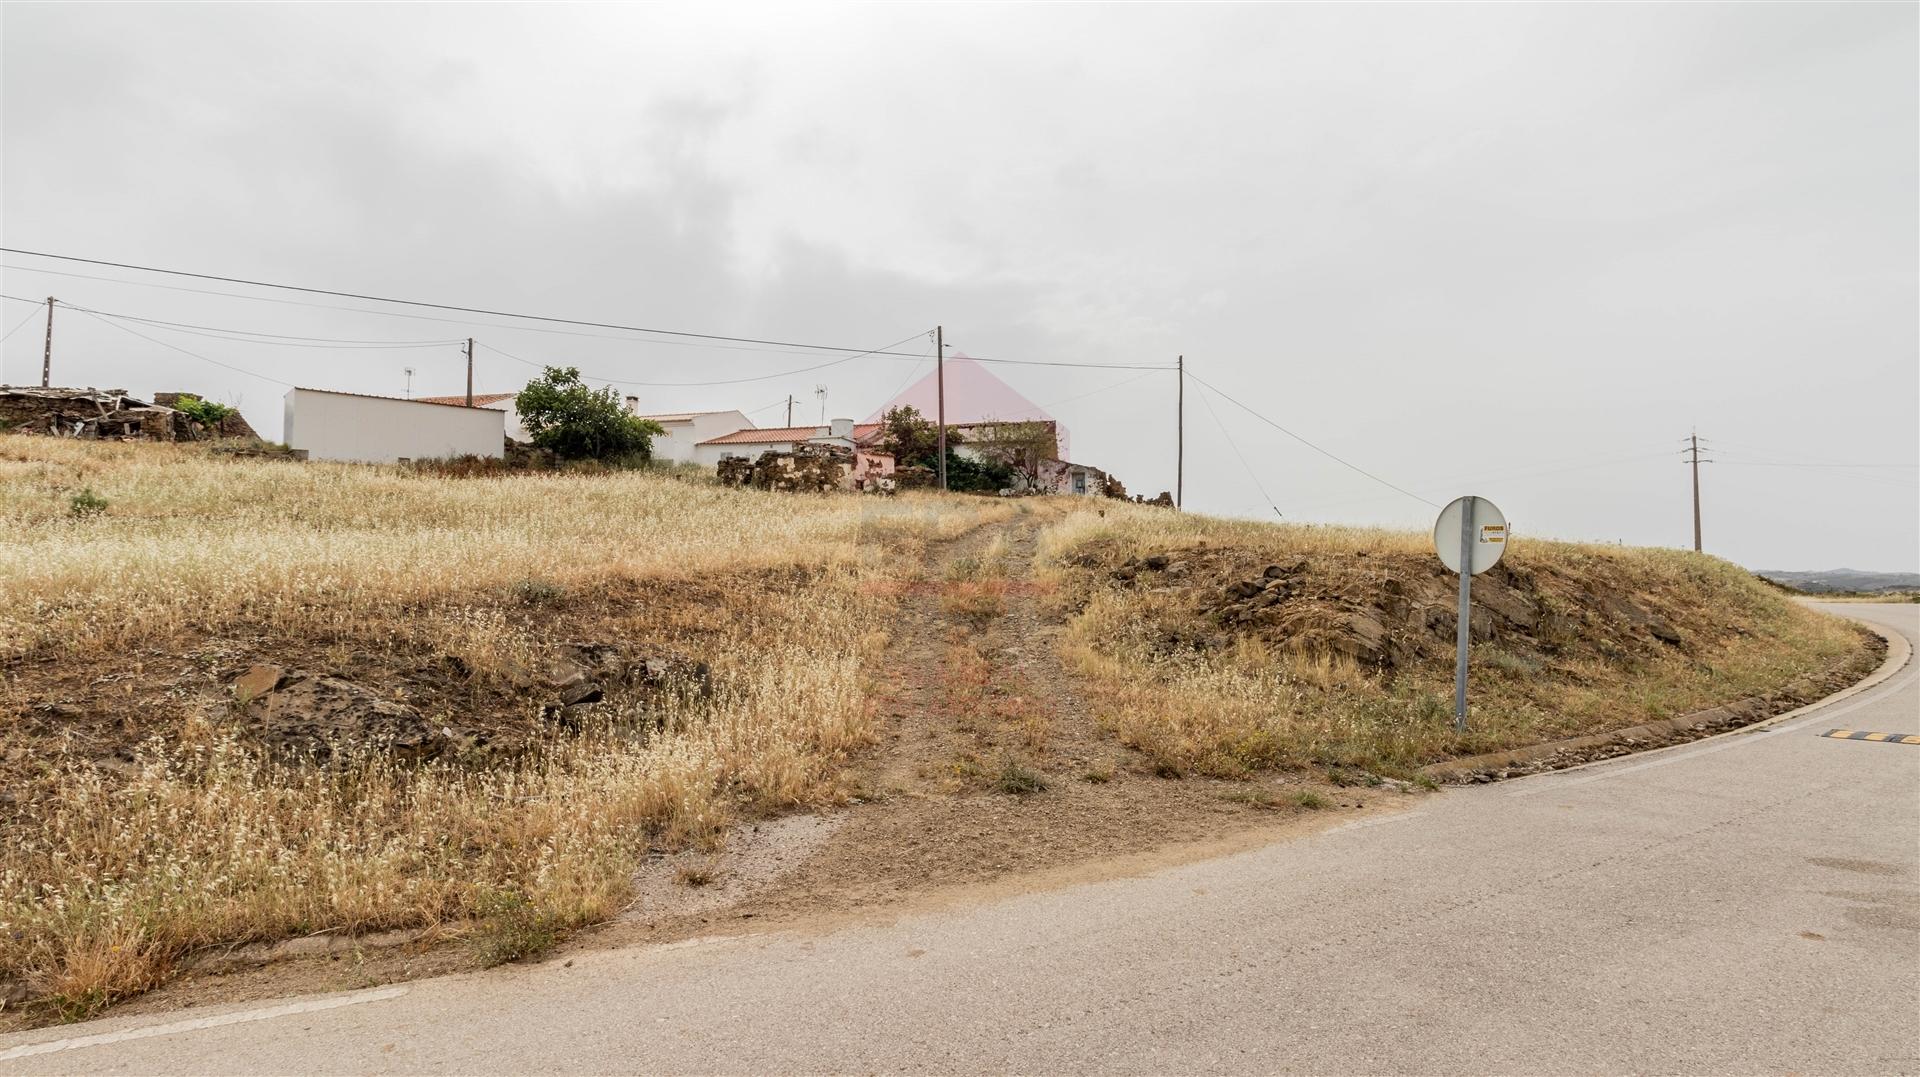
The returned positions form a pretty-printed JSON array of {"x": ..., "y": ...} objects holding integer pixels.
[
  {"x": 392, "y": 313},
  {"x": 1357, "y": 469},
  {"x": 22, "y": 325},
  {"x": 728, "y": 381},
  {"x": 492, "y": 313},
  {"x": 182, "y": 351},
  {"x": 246, "y": 336},
  {"x": 1236, "y": 451},
  {"x": 775, "y": 350},
  {"x": 423, "y": 303}
]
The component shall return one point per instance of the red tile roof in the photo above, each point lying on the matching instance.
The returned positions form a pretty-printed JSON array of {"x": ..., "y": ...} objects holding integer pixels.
[
  {"x": 771, "y": 434},
  {"x": 480, "y": 400}
]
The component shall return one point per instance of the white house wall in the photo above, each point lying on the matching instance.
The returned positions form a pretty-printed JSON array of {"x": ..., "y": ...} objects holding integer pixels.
[
  {"x": 679, "y": 445},
  {"x": 382, "y": 430}
]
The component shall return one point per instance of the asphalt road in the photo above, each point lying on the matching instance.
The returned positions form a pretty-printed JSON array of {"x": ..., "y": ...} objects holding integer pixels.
[{"x": 1749, "y": 903}]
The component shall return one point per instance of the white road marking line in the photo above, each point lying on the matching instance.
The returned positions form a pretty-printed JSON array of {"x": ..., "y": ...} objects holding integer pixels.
[
  {"x": 1360, "y": 824},
  {"x": 1892, "y": 686},
  {"x": 240, "y": 1017}
]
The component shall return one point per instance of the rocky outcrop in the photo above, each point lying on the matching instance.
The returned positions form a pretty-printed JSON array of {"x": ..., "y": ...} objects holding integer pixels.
[
  {"x": 581, "y": 674},
  {"x": 306, "y": 715},
  {"x": 1388, "y": 612}
]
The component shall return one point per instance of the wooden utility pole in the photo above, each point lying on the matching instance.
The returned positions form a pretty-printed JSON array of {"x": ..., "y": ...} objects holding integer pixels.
[
  {"x": 469, "y": 371},
  {"x": 940, "y": 380},
  {"x": 789, "y": 410},
  {"x": 1694, "y": 448},
  {"x": 46, "y": 358},
  {"x": 1180, "y": 431}
]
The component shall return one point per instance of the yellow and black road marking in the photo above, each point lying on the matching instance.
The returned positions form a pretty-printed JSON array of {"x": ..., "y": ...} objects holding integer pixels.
[{"x": 1883, "y": 738}]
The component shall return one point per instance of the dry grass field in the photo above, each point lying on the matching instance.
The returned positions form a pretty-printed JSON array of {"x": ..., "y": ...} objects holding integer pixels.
[
  {"x": 541, "y": 681},
  {"x": 1342, "y": 659},
  {"x": 141, "y": 823}
]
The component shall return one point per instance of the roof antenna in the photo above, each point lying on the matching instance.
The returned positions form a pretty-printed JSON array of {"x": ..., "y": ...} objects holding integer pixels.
[{"x": 821, "y": 392}]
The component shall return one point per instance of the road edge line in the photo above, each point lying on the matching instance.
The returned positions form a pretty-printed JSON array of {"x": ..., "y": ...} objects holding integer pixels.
[
  {"x": 237, "y": 1017},
  {"x": 1899, "y": 655}
]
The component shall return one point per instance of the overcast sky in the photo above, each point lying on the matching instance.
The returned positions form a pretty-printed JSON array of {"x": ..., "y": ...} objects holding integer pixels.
[{"x": 1519, "y": 251}]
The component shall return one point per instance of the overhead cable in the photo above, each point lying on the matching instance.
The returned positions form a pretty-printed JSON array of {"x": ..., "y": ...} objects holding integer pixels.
[{"x": 1355, "y": 468}]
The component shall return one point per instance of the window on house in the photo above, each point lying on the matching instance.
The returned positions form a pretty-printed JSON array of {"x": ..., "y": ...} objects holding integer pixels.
[{"x": 1079, "y": 482}]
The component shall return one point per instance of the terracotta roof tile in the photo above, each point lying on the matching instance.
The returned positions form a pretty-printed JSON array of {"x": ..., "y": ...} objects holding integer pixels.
[
  {"x": 772, "y": 434},
  {"x": 480, "y": 400}
]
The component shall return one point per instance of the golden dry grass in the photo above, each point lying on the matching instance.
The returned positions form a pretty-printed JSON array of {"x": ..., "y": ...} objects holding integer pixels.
[
  {"x": 1249, "y": 704},
  {"x": 114, "y": 875}
]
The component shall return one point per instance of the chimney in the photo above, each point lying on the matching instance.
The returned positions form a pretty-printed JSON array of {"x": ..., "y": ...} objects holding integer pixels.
[{"x": 633, "y": 405}]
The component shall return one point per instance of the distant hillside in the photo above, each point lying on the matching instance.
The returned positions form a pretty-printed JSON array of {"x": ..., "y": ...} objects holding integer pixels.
[{"x": 1844, "y": 579}]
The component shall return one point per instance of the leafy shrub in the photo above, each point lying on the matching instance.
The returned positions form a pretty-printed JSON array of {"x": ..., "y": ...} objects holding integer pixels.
[
  {"x": 510, "y": 927},
  {"x": 1016, "y": 780},
  {"x": 204, "y": 412},
  {"x": 86, "y": 503},
  {"x": 578, "y": 422}
]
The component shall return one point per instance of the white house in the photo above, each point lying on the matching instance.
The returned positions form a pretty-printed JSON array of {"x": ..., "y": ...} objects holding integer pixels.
[
  {"x": 502, "y": 402},
  {"x": 386, "y": 429},
  {"x": 751, "y": 443},
  {"x": 685, "y": 430}
]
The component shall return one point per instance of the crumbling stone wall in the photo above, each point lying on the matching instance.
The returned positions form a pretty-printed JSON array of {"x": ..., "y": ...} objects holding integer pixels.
[
  {"x": 83, "y": 413},
  {"x": 234, "y": 425},
  {"x": 809, "y": 468},
  {"x": 107, "y": 413}
]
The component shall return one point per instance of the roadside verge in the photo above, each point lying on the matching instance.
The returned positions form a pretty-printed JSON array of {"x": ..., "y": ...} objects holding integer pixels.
[{"x": 1754, "y": 712}]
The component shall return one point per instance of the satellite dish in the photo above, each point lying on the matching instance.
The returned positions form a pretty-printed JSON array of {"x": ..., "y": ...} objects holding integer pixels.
[{"x": 1487, "y": 540}]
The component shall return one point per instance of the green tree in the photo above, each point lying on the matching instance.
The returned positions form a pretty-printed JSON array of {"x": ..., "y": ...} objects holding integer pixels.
[
  {"x": 578, "y": 422},
  {"x": 1022, "y": 448},
  {"x": 912, "y": 438},
  {"x": 967, "y": 475}
]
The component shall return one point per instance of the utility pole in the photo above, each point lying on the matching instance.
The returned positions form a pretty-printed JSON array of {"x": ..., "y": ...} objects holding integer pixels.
[
  {"x": 469, "y": 371},
  {"x": 1693, "y": 441},
  {"x": 940, "y": 380},
  {"x": 46, "y": 359},
  {"x": 789, "y": 410},
  {"x": 1180, "y": 432}
]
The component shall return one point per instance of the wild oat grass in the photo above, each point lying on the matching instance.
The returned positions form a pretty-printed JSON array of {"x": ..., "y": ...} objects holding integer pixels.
[
  {"x": 195, "y": 539},
  {"x": 1249, "y": 705},
  {"x": 107, "y": 885}
]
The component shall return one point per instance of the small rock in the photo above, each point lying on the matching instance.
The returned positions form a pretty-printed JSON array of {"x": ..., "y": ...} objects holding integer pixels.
[
  {"x": 1157, "y": 561},
  {"x": 1242, "y": 589},
  {"x": 258, "y": 681},
  {"x": 582, "y": 695},
  {"x": 1177, "y": 569}
]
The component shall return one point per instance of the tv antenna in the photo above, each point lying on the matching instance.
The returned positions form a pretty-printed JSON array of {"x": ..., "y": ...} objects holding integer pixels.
[
  {"x": 821, "y": 392},
  {"x": 409, "y": 371}
]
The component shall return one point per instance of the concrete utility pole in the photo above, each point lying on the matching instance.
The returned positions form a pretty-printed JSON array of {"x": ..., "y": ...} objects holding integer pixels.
[
  {"x": 46, "y": 359},
  {"x": 469, "y": 371},
  {"x": 1694, "y": 448},
  {"x": 1180, "y": 432},
  {"x": 940, "y": 380}
]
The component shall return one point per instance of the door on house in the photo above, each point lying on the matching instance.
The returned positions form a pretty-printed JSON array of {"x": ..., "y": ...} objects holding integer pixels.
[{"x": 1079, "y": 482}]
